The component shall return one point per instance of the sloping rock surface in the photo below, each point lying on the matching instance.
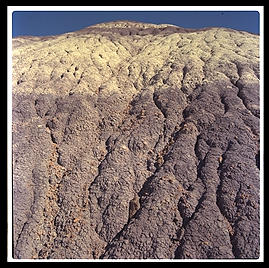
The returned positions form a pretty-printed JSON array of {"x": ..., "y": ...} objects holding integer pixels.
[{"x": 136, "y": 141}]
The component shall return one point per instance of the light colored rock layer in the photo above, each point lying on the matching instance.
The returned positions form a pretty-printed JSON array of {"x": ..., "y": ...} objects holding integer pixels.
[{"x": 91, "y": 62}]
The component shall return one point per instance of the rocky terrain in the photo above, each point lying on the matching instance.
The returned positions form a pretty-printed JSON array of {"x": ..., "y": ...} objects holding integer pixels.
[{"x": 136, "y": 141}]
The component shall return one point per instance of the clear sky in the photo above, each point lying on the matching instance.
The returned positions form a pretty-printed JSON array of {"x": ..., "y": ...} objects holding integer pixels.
[{"x": 40, "y": 23}]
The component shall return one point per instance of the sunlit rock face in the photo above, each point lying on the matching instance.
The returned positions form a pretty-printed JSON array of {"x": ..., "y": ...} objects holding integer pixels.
[{"x": 136, "y": 141}]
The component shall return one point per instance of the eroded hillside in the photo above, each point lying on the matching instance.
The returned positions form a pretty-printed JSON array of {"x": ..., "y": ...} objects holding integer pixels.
[{"x": 136, "y": 141}]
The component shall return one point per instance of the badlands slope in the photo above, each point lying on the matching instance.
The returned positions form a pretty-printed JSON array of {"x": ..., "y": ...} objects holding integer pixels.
[{"x": 136, "y": 141}]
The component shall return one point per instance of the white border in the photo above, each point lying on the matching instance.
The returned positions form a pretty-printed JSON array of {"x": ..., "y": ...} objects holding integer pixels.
[
  {"x": 136, "y": 8},
  {"x": 260, "y": 9},
  {"x": 9, "y": 135}
]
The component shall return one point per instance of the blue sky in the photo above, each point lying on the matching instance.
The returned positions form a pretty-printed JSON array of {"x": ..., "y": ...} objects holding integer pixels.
[{"x": 41, "y": 23}]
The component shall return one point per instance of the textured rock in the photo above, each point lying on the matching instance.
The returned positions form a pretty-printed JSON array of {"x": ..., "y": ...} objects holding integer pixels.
[{"x": 137, "y": 141}]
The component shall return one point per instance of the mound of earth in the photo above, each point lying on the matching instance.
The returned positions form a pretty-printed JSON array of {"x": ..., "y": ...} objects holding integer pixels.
[{"x": 136, "y": 141}]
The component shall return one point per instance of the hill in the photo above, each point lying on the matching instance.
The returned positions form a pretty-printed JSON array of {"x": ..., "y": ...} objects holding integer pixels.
[{"x": 136, "y": 141}]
